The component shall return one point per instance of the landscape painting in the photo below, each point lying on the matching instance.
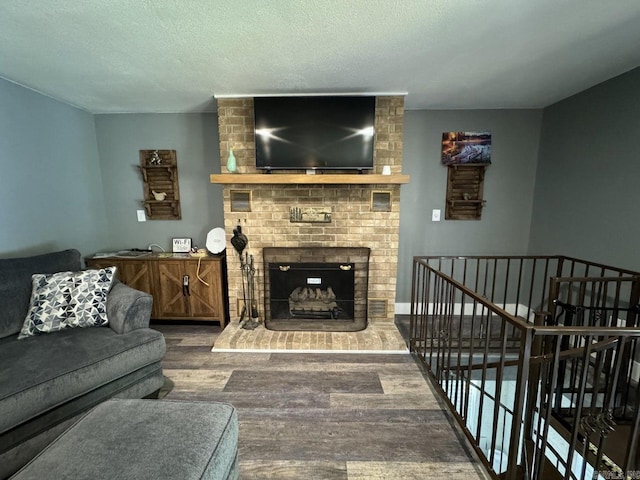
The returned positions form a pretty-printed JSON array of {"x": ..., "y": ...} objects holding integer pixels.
[{"x": 466, "y": 147}]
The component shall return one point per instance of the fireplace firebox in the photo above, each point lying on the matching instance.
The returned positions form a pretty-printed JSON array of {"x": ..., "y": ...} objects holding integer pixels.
[
  {"x": 321, "y": 288},
  {"x": 312, "y": 290}
]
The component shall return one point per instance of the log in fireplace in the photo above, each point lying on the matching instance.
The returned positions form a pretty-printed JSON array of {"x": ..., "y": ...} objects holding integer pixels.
[{"x": 316, "y": 288}]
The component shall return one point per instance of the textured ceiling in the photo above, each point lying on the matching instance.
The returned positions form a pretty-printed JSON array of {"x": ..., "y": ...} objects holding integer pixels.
[{"x": 175, "y": 55}]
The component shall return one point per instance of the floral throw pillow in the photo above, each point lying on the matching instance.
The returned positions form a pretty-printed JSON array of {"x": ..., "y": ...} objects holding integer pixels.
[{"x": 68, "y": 300}]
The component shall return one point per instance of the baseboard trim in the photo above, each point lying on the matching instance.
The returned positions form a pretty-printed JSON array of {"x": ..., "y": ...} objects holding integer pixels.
[{"x": 403, "y": 308}]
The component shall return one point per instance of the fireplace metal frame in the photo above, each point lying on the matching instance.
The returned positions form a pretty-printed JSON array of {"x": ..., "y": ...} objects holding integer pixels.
[{"x": 358, "y": 256}]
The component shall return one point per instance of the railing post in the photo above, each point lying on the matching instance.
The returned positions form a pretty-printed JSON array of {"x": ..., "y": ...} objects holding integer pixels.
[
  {"x": 412, "y": 313},
  {"x": 533, "y": 387},
  {"x": 632, "y": 460},
  {"x": 634, "y": 300},
  {"x": 553, "y": 295},
  {"x": 541, "y": 351},
  {"x": 526, "y": 345}
]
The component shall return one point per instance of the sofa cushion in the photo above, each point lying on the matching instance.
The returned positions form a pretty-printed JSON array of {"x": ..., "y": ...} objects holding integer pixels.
[
  {"x": 68, "y": 300},
  {"x": 15, "y": 284},
  {"x": 132, "y": 439},
  {"x": 49, "y": 370}
]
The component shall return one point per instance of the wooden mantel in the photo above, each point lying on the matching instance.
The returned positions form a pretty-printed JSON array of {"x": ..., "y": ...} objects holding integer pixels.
[{"x": 319, "y": 179}]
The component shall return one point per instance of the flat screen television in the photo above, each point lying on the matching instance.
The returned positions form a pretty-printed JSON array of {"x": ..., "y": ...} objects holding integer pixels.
[{"x": 314, "y": 132}]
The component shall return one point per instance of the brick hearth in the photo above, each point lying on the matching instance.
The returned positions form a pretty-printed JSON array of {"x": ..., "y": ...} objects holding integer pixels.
[{"x": 354, "y": 223}]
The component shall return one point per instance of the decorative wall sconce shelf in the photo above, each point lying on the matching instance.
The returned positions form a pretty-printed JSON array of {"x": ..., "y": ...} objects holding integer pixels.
[
  {"x": 159, "y": 169},
  {"x": 162, "y": 209},
  {"x": 171, "y": 171},
  {"x": 465, "y": 185}
]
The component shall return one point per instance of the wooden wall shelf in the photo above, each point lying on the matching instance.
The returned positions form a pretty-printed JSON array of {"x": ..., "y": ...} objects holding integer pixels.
[
  {"x": 465, "y": 186},
  {"x": 321, "y": 179},
  {"x": 161, "y": 178}
]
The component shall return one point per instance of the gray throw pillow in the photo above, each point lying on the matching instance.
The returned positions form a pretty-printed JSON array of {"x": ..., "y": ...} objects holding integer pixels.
[{"x": 68, "y": 300}]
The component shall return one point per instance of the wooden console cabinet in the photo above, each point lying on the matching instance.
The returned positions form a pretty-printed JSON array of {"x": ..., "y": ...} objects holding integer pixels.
[{"x": 183, "y": 288}]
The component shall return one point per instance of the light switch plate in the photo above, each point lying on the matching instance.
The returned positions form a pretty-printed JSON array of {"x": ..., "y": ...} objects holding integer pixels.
[
  {"x": 141, "y": 216},
  {"x": 435, "y": 215}
]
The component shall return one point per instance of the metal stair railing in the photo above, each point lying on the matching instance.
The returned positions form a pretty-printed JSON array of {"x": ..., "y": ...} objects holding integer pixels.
[{"x": 516, "y": 377}]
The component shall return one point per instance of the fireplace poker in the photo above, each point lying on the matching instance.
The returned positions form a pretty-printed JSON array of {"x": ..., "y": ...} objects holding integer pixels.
[
  {"x": 254, "y": 303},
  {"x": 244, "y": 292},
  {"x": 248, "y": 273},
  {"x": 247, "y": 277}
]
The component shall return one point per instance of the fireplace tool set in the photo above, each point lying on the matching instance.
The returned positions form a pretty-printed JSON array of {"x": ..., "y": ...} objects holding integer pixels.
[{"x": 249, "y": 302}]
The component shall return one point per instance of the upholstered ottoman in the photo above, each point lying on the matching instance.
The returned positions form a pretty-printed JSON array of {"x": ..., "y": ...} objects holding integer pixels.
[{"x": 140, "y": 439}]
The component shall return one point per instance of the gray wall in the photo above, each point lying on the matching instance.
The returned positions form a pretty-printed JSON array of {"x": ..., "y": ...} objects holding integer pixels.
[
  {"x": 70, "y": 179},
  {"x": 195, "y": 139},
  {"x": 50, "y": 186},
  {"x": 587, "y": 195},
  {"x": 508, "y": 187}
]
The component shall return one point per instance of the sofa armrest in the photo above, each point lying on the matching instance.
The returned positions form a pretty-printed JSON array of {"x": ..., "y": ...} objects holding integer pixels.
[{"x": 128, "y": 309}]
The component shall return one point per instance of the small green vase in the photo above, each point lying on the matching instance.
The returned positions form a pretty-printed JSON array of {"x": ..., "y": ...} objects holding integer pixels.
[{"x": 232, "y": 167}]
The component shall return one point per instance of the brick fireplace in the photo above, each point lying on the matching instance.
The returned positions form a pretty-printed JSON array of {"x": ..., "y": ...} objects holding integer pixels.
[{"x": 355, "y": 217}]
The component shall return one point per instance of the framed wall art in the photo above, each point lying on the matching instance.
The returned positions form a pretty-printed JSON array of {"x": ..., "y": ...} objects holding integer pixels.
[{"x": 466, "y": 147}]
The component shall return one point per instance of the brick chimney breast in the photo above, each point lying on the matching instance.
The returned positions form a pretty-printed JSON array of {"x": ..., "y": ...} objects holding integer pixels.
[{"x": 354, "y": 223}]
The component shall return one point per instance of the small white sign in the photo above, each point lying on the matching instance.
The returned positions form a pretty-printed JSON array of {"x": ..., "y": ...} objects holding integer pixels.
[
  {"x": 314, "y": 281},
  {"x": 181, "y": 245}
]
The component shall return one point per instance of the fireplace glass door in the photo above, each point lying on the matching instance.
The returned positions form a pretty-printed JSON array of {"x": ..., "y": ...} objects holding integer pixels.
[
  {"x": 316, "y": 288},
  {"x": 311, "y": 291}
]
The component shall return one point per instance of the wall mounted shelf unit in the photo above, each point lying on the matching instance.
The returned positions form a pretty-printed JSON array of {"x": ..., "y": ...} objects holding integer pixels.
[
  {"x": 159, "y": 169},
  {"x": 465, "y": 187}
]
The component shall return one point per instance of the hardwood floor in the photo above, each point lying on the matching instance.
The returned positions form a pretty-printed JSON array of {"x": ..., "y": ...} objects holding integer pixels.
[{"x": 321, "y": 415}]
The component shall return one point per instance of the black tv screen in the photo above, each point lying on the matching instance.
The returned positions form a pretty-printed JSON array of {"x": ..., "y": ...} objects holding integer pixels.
[{"x": 322, "y": 133}]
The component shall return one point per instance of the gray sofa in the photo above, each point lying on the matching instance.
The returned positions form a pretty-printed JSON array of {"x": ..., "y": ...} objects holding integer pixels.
[{"x": 48, "y": 380}]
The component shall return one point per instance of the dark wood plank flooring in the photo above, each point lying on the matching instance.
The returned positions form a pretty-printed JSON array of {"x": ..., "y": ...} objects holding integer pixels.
[{"x": 321, "y": 416}]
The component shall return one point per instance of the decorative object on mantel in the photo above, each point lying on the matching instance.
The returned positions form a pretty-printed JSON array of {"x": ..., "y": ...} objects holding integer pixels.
[
  {"x": 159, "y": 169},
  {"x": 232, "y": 166}
]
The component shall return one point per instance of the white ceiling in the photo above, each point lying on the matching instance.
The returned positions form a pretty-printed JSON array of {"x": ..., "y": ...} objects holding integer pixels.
[{"x": 108, "y": 56}]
